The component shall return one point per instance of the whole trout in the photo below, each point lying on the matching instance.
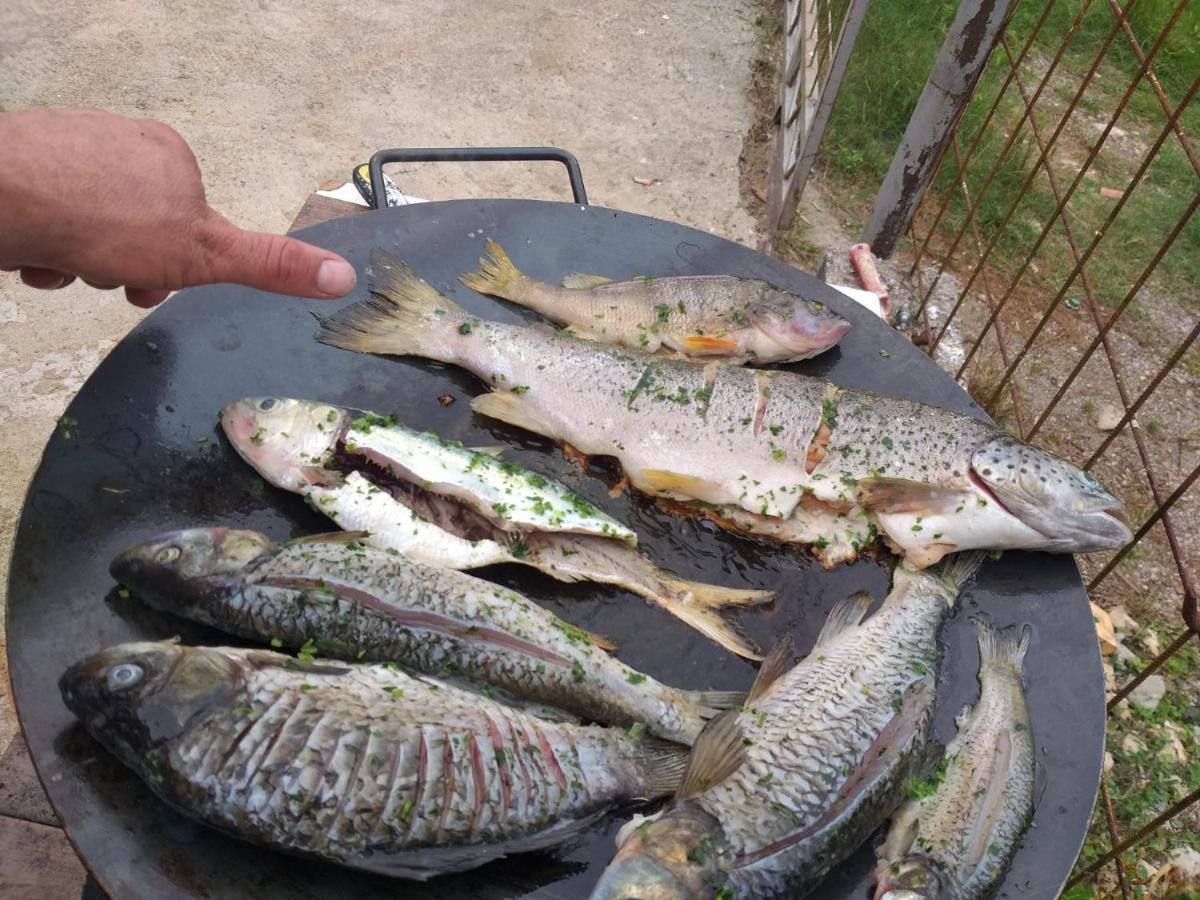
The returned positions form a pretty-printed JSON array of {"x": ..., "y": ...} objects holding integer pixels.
[
  {"x": 954, "y": 840},
  {"x": 360, "y": 765},
  {"x": 767, "y": 452},
  {"x": 719, "y": 316},
  {"x": 342, "y": 599}
]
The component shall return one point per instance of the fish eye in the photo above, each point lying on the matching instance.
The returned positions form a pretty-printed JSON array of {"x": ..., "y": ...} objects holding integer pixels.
[
  {"x": 123, "y": 676},
  {"x": 167, "y": 555},
  {"x": 267, "y": 404}
]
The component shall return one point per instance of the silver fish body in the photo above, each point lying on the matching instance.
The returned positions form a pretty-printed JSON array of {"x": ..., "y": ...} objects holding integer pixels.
[
  {"x": 828, "y": 748},
  {"x": 353, "y": 602},
  {"x": 955, "y": 840},
  {"x": 361, "y": 765},
  {"x": 443, "y": 504},
  {"x": 716, "y": 316},
  {"x": 754, "y": 446}
]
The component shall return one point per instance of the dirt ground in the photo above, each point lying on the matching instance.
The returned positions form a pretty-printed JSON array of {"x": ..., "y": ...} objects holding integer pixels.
[{"x": 276, "y": 98}]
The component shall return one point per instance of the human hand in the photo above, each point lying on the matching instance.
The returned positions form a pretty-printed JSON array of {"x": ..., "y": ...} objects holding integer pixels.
[{"x": 119, "y": 202}]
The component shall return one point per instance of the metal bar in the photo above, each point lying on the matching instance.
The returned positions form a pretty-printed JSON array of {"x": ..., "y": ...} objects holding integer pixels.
[
  {"x": 1136, "y": 838},
  {"x": 1151, "y": 667},
  {"x": 1145, "y": 527},
  {"x": 476, "y": 154},
  {"x": 960, "y": 62},
  {"x": 1163, "y": 100},
  {"x": 1092, "y": 154},
  {"x": 1013, "y": 137},
  {"x": 987, "y": 119},
  {"x": 841, "y": 59},
  {"x": 987, "y": 289},
  {"x": 1114, "y": 836}
]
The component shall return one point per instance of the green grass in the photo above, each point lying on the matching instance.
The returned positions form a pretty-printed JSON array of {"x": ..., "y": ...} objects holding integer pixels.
[{"x": 897, "y": 47}]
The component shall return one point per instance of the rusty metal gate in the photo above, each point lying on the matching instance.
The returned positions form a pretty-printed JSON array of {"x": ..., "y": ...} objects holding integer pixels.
[{"x": 1062, "y": 216}]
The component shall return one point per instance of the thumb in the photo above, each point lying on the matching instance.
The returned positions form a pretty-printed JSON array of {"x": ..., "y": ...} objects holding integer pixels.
[{"x": 272, "y": 262}]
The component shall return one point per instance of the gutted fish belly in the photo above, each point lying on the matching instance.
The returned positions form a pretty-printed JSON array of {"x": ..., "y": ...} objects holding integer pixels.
[
  {"x": 717, "y": 316},
  {"x": 361, "y": 765},
  {"x": 446, "y": 505},
  {"x": 956, "y": 837},
  {"x": 827, "y": 747},
  {"x": 932, "y": 481},
  {"x": 353, "y": 602}
]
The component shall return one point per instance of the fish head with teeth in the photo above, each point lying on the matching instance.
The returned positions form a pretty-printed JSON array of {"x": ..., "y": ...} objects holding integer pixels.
[
  {"x": 287, "y": 441},
  {"x": 134, "y": 697},
  {"x": 804, "y": 328},
  {"x": 1074, "y": 512},
  {"x": 677, "y": 855},
  {"x": 182, "y": 572}
]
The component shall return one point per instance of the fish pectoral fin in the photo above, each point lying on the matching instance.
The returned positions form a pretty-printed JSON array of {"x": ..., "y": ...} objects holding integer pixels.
[
  {"x": 664, "y": 481},
  {"x": 846, "y": 614},
  {"x": 926, "y": 555},
  {"x": 701, "y": 342},
  {"x": 330, "y": 537},
  {"x": 716, "y": 754},
  {"x": 582, "y": 281},
  {"x": 599, "y": 640},
  {"x": 780, "y": 659},
  {"x": 509, "y": 408},
  {"x": 900, "y": 495}
]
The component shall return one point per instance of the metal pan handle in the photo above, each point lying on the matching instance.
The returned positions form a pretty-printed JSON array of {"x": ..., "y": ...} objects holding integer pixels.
[{"x": 476, "y": 154}]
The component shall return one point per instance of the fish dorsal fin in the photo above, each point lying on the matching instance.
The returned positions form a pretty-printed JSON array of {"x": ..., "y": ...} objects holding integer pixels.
[
  {"x": 581, "y": 280},
  {"x": 899, "y": 495},
  {"x": 779, "y": 660},
  {"x": 846, "y": 614},
  {"x": 716, "y": 754},
  {"x": 330, "y": 537}
]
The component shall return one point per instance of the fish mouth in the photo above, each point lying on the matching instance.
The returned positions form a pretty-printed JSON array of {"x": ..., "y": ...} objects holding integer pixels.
[
  {"x": 813, "y": 334},
  {"x": 1094, "y": 522}
]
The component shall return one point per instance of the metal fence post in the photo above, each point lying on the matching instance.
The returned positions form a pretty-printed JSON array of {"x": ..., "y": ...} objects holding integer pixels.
[{"x": 964, "y": 54}]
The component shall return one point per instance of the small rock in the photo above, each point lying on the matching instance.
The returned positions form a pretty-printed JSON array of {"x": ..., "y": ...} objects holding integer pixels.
[
  {"x": 1132, "y": 744},
  {"x": 1108, "y": 417},
  {"x": 1125, "y": 656},
  {"x": 1109, "y": 762},
  {"x": 1104, "y": 631},
  {"x": 1173, "y": 751},
  {"x": 1121, "y": 710},
  {"x": 1191, "y": 715},
  {"x": 1122, "y": 620},
  {"x": 1149, "y": 692},
  {"x": 1110, "y": 677},
  {"x": 1186, "y": 862},
  {"x": 1146, "y": 870},
  {"x": 1149, "y": 641}
]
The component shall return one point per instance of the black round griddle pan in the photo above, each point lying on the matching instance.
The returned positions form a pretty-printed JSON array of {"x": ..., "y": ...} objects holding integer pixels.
[{"x": 139, "y": 452}]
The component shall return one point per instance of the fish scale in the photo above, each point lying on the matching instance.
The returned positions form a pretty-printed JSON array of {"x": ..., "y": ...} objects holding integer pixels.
[
  {"x": 360, "y": 764},
  {"x": 826, "y": 748}
]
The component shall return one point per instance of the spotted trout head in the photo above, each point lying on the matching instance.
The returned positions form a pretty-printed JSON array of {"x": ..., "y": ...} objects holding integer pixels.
[
  {"x": 287, "y": 441},
  {"x": 133, "y": 697},
  {"x": 1067, "y": 505},
  {"x": 804, "y": 327},
  {"x": 187, "y": 572},
  {"x": 915, "y": 877},
  {"x": 681, "y": 854}
]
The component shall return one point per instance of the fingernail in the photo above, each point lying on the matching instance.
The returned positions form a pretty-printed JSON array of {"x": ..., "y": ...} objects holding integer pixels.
[{"x": 336, "y": 277}]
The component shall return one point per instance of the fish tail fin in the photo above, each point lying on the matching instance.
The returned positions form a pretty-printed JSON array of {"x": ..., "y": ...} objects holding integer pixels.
[
  {"x": 405, "y": 316},
  {"x": 498, "y": 277},
  {"x": 1001, "y": 647},
  {"x": 713, "y": 626},
  {"x": 958, "y": 568},
  {"x": 664, "y": 763},
  {"x": 714, "y": 596}
]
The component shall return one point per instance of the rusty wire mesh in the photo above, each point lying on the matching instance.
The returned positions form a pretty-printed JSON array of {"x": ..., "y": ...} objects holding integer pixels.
[{"x": 1059, "y": 246}]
